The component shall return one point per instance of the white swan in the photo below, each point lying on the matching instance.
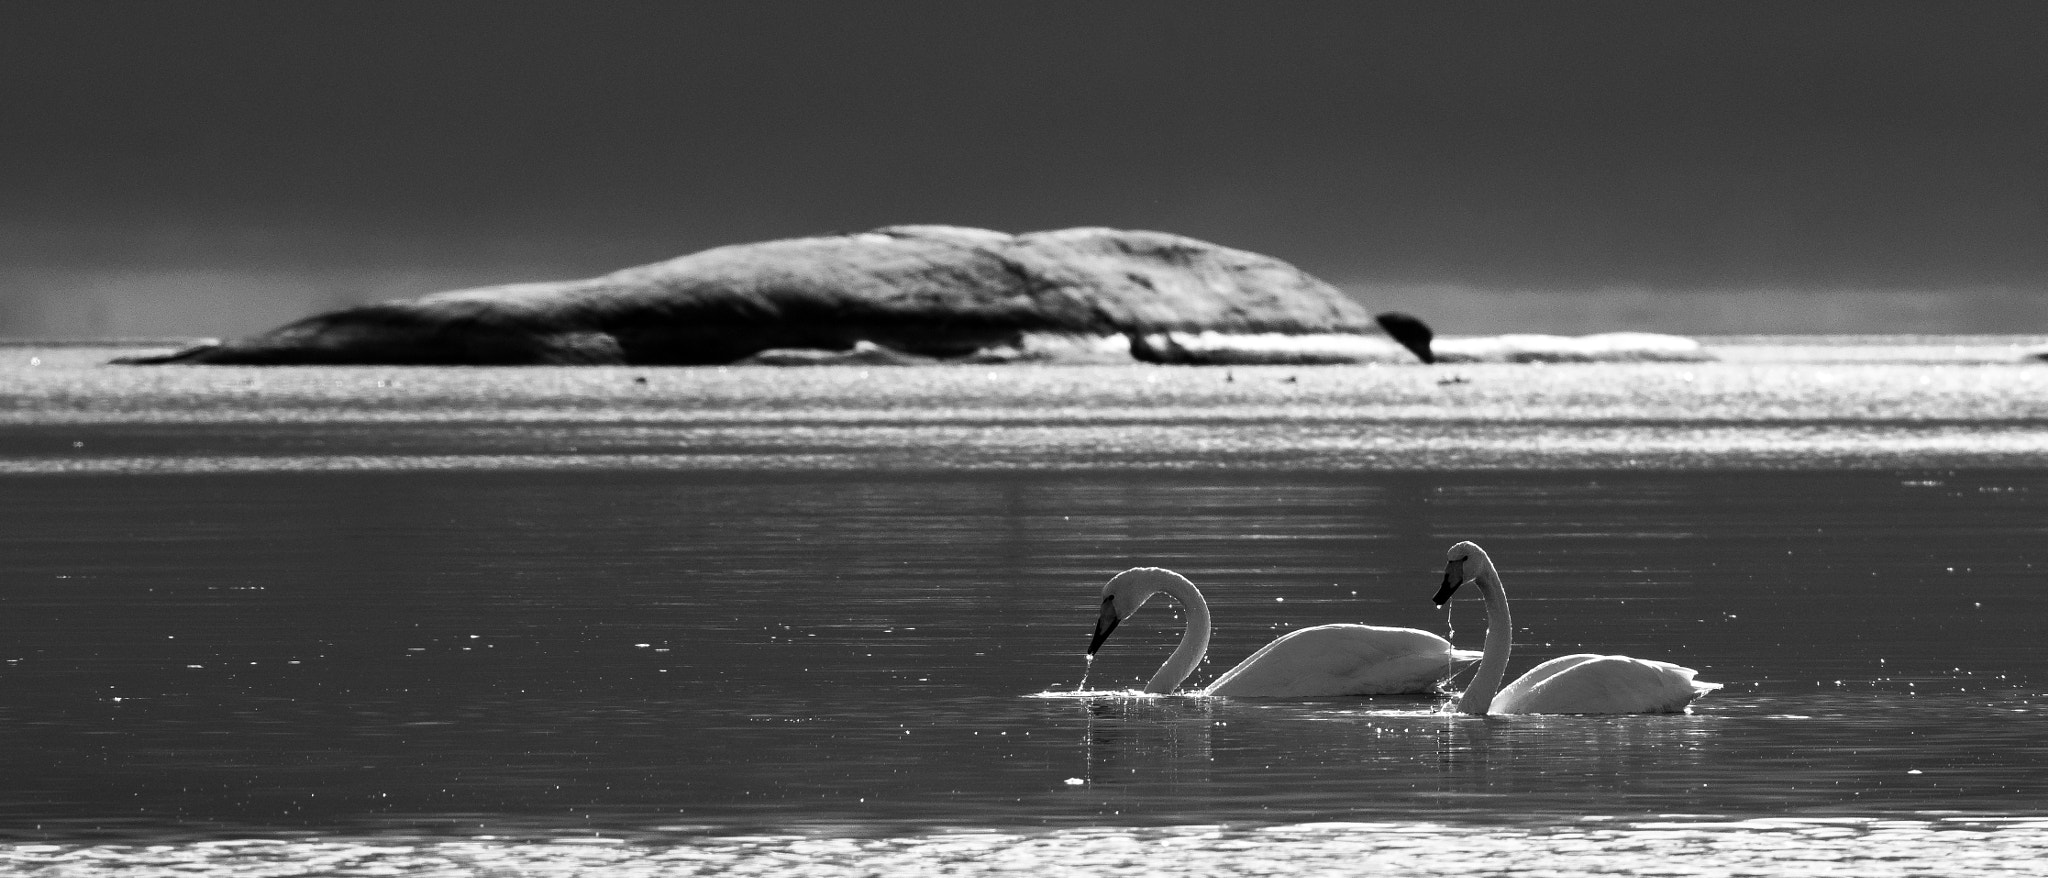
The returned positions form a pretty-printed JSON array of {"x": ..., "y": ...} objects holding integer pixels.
[
  {"x": 1324, "y": 660},
  {"x": 1583, "y": 683}
]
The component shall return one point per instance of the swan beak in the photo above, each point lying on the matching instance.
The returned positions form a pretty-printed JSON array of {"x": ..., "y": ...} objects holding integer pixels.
[
  {"x": 1104, "y": 624},
  {"x": 1454, "y": 576}
]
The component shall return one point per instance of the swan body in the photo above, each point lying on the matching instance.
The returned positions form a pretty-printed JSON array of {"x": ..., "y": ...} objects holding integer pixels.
[
  {"x": 1584, "y": 683},
  {"x": 1321, "y": 661}
]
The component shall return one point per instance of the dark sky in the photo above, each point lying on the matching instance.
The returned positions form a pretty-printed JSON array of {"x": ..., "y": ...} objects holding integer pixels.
[{"x": 1673, "y": 148}]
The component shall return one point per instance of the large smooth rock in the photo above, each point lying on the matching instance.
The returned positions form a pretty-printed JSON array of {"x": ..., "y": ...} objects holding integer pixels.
[{"x": 936, "y": 292}]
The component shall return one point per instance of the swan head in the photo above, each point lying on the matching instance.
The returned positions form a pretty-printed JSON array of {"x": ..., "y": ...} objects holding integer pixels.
[
  {"x": 1125, "y": 593},
  {"x": 1466, "y": 560}
]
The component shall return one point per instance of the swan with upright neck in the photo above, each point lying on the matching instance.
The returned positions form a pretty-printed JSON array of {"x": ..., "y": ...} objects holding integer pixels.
[
  {"x": 1584, "y": 683},
  {"x": 1321, "y": 661}
]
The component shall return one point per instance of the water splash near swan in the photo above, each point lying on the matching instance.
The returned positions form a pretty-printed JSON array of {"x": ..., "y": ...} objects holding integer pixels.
[{"x": 1450, "y": 662}]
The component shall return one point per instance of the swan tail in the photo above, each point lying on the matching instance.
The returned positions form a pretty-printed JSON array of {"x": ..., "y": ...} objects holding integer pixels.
[{"x": 1597, "y": 684}]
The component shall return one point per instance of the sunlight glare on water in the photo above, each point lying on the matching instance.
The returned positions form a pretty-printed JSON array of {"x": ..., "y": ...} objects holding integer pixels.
[
  {"x": 85, "y": 417},
  {"x": 1857, "y": 848}
]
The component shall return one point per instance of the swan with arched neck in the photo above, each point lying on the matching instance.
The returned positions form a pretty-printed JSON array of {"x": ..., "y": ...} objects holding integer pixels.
[
  {"x": 1584, "y": 683},
  {"x": 1321, "y": 661}
]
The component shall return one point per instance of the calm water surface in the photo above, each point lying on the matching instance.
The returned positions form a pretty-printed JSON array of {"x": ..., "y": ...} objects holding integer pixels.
[
  {"x": 648, "y": 656},
  {"x": 525, "y": 670}
]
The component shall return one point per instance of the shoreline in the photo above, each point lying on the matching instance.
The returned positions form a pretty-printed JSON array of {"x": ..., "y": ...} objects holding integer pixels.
[{"x": 1748, "y": 348}]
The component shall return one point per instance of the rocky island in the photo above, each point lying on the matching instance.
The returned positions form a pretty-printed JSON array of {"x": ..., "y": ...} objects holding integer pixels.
[{"x": 897, "y": 294}]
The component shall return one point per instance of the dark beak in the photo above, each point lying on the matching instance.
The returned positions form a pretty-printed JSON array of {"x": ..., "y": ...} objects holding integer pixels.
[
  {"x": 1454, "y": 576},
  {"x": 1104, "y": 624}
]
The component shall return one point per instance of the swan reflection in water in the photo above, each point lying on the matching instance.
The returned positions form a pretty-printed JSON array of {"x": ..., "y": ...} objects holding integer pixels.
[
  {"x": 1163, "y": 745},
  {"x": 1612, "y": 758},
  {"x": 1325, "y": 660},
  {"x": 1576, "y": 684}
]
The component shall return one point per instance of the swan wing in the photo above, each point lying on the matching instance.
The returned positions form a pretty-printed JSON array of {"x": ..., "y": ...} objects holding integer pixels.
[
  {"x": 1587, "y": 683},
  {"x": 1344, "y": 660}
]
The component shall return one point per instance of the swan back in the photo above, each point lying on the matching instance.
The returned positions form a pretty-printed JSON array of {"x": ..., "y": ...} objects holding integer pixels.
[
  {"x": 1588, "y": 683},
  {"x": 1344, "y": 660}
]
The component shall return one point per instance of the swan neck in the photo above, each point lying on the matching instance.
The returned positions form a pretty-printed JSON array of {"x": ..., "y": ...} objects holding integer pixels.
[
  {"x": 1500, "y": 634},
  {"x": 1194, "y": 642}
]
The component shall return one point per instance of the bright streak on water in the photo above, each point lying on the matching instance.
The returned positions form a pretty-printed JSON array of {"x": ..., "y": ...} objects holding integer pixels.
[
  {"x": 1863, "y": 848},
  {"x": 71, "y": 415}
]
